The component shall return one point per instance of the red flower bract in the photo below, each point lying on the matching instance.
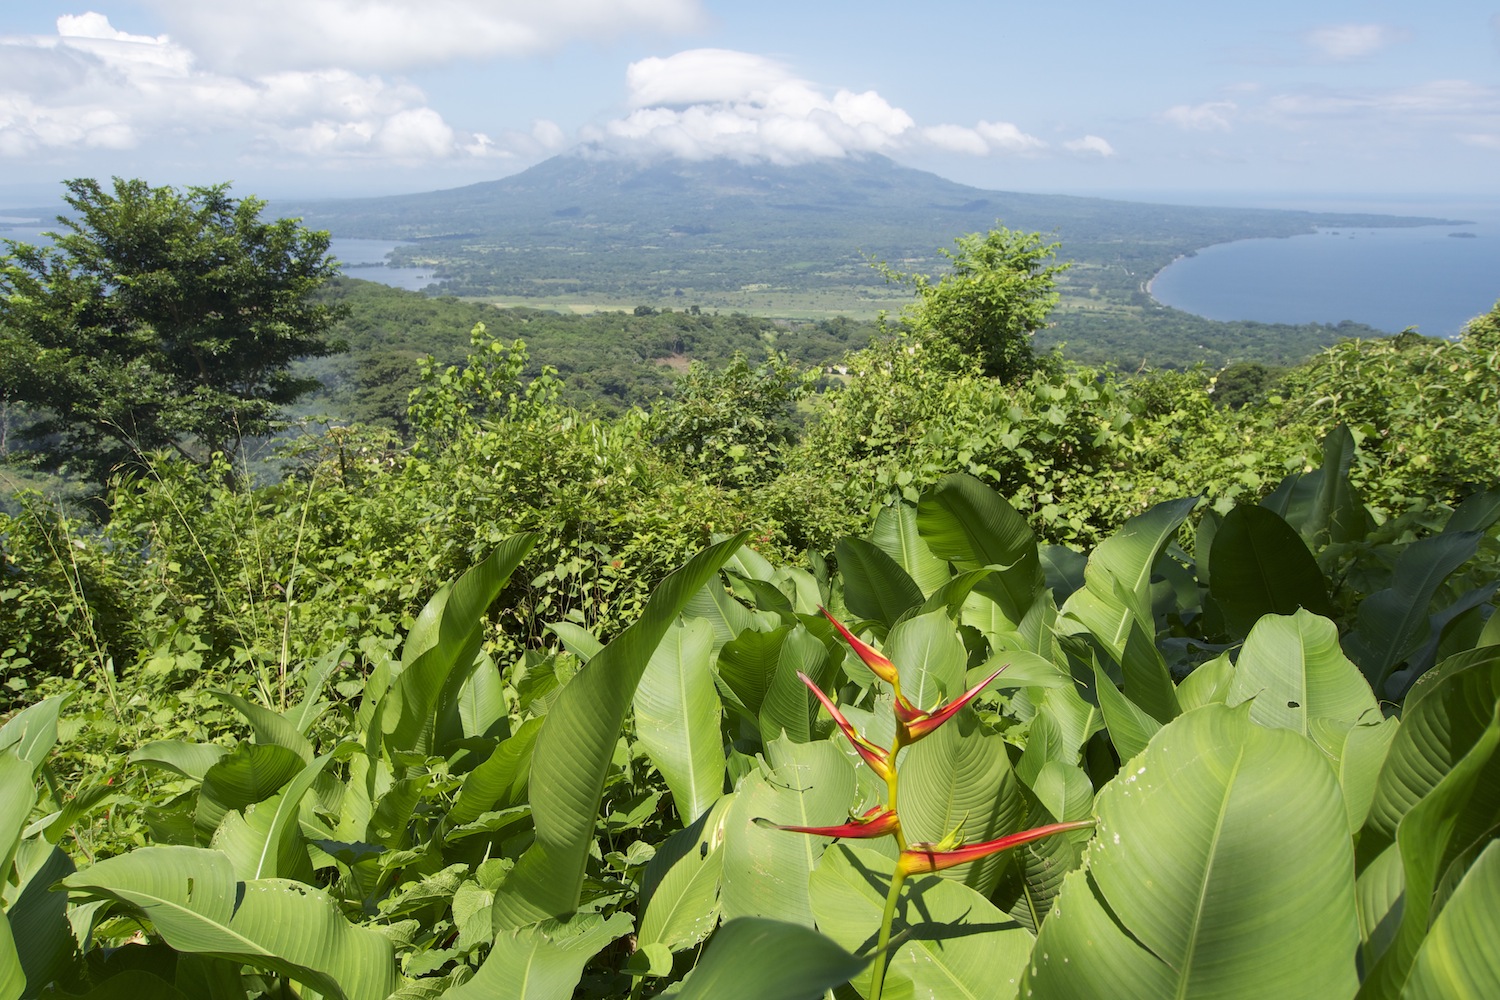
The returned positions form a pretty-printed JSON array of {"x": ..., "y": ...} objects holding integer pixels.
[{"x": 920, "y": 859}]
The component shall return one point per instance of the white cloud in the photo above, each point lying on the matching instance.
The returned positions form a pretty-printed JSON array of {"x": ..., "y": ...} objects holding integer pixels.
[
  {"x": 93, "y": 86},
  {"x": 398, "y": 34},
  {"x": 1090, "y": 145},
  {"x": 1352, "y": 41},
  {"x": 1210, "y": 116},
  {"x": 705, "y": 103}
]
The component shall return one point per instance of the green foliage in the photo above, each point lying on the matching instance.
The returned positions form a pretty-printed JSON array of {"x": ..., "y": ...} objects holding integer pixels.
[
  {"x": 734, "y": 425},
  {"x": 158, "y": 319},
  {"x": 997, "y": 293}
]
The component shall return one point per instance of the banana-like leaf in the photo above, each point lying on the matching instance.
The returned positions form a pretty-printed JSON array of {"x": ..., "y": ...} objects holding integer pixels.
[
  {"x": 766, "y": 870},
  {"x": 252, "y": 772},
  {"x": 677, "y": 716},
  {"x": 1117, "y": 580},
  {"x": 575, "y": 747},
  {"x": 1459, "y": 960},
  {"x": 895, "y": 533},
  {"x": 802, "y": 963},
  {"x": 1437, "y": 730},
  {"x": 17, "y": 796},
  {"x": 680, "y": 887},
  {"x": 268, "y": 726},
  {"x": 959, "y": 777},
  {"x": 265, "y": 841},
  {"x": 1293, "y": 672},
  {"x": 1262, "y": 567},
  {"x": 193, "y": 900},
  {"x": 445, "y": 637},
  {"x": 32, "y": 732},
  {"x": 970, "y": 525},
  {"x": 876, "y": 588},
  {"x": 1438, "y": 838},
  {"x": 12, "y": 978},
  {"x": 747, "y": 664},
  {"x": 1393, "y": 622},
  {"x": 541, "y": 961},
  {"x": 500, "y": 781},
  {"x": 1221, "y": 866},
  {"x": 1130, "y": 726},
  {"x": 930, "y": 658},
  {"x": 786, "y": 708},
  {"x": 960, "y": 945},
  {"x": 39, "y": 917},
  {"x": 191, "y": 760}
]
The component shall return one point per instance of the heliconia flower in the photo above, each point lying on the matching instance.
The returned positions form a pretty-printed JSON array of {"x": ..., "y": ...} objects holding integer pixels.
[
  {"x": 879, "y": 665},
  {"x": 919, "y": 723},
  {"x": 874, "y": 822},
  {"x": 874, "y": 755},
  {"x": 920, "y": 859}
]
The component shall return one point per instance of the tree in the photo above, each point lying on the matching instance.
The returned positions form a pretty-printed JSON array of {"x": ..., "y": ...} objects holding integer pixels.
[
  {"x": 998, "y": 294},
  {"x": 158, "y": 319}
]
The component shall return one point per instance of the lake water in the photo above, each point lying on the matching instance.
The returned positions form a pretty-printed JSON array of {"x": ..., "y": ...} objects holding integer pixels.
[
  {"x": 1387, "y": 278},
  {"x": 363, "y": 259}
]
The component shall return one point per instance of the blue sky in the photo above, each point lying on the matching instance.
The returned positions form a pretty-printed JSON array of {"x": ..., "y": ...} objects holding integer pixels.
[{"x": 1270, "y": 102}]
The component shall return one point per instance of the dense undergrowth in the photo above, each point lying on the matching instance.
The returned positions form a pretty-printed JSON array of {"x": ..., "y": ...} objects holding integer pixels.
[{"x": 269, "y": 748}]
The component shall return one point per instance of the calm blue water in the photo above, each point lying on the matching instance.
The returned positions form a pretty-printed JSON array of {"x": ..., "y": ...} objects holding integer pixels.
[{"x": 1387, "y": 278}]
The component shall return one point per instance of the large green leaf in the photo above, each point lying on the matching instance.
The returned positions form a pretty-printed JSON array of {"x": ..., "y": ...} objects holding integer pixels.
[
  {"x": 250, "y": 773},
  {"x": 1393, "y": 622},
  {"x": 875, "y": 586},
  {"x": 191, "y": 760},
  {"x": 1438, "y": 838},
  {"x": 12, "y": 979},
  {"x": 960, "y": 946},
  {"x": 541, "y": 961},
  {"x": 680, "y": 887},
  {"x": 1458, "y": 959},
  {"x": 1117, "y": 579},
  {"x": 445, "y": 636},
  {"x": 193, "y": 900},
  {"x": 766, "y": 870},
  {"x": 32, "y": 732},
  {"x": 499, "y": 782},
  {"x": 265, "y": 841},
  {"x": 758, "y": 959},
  {"x": 1322, "y": 505},
  {"x": 1221, "y": 866},
  {"x": 677, "y": 717},
  {"x": 575, "y": 747},
  {"x": 268, "y": 726},
  {"x": 959, "y": 777},
  {"x": 970, "y": 525},
  {"x": 747, "y": 664},
  {"x": 1436, "y": 731},
  {"x": 1292, "y": 672},
  {"x": 1262, "y": 567},
  {"x": 17, "y": 796},
  {"x": 895, "y": 533},
  {"x": 786, "y": 707},
  {"x": 930, "y": 658}
]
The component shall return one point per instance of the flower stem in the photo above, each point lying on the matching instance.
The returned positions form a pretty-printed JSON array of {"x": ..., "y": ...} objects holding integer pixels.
[{"x": 877, "y": 971}]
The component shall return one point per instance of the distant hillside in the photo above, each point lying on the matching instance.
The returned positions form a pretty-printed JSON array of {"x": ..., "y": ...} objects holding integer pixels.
[{"x": 615, "y": 227}]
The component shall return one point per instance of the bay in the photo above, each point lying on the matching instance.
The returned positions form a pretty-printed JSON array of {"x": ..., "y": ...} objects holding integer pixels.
[
  {"x": 1427, "y": 277},
  {"x": 358, "y": 258}
]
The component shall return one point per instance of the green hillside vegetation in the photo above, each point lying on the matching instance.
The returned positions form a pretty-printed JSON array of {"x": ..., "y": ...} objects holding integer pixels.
[
  {"x": 797, "y": 241},
  {"x": 534, "y": 698}
]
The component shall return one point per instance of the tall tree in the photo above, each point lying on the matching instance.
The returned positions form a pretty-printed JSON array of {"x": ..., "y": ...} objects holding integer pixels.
[
  {"x": 986, "y": 308},
  {"x": 158, "y": 318}
]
